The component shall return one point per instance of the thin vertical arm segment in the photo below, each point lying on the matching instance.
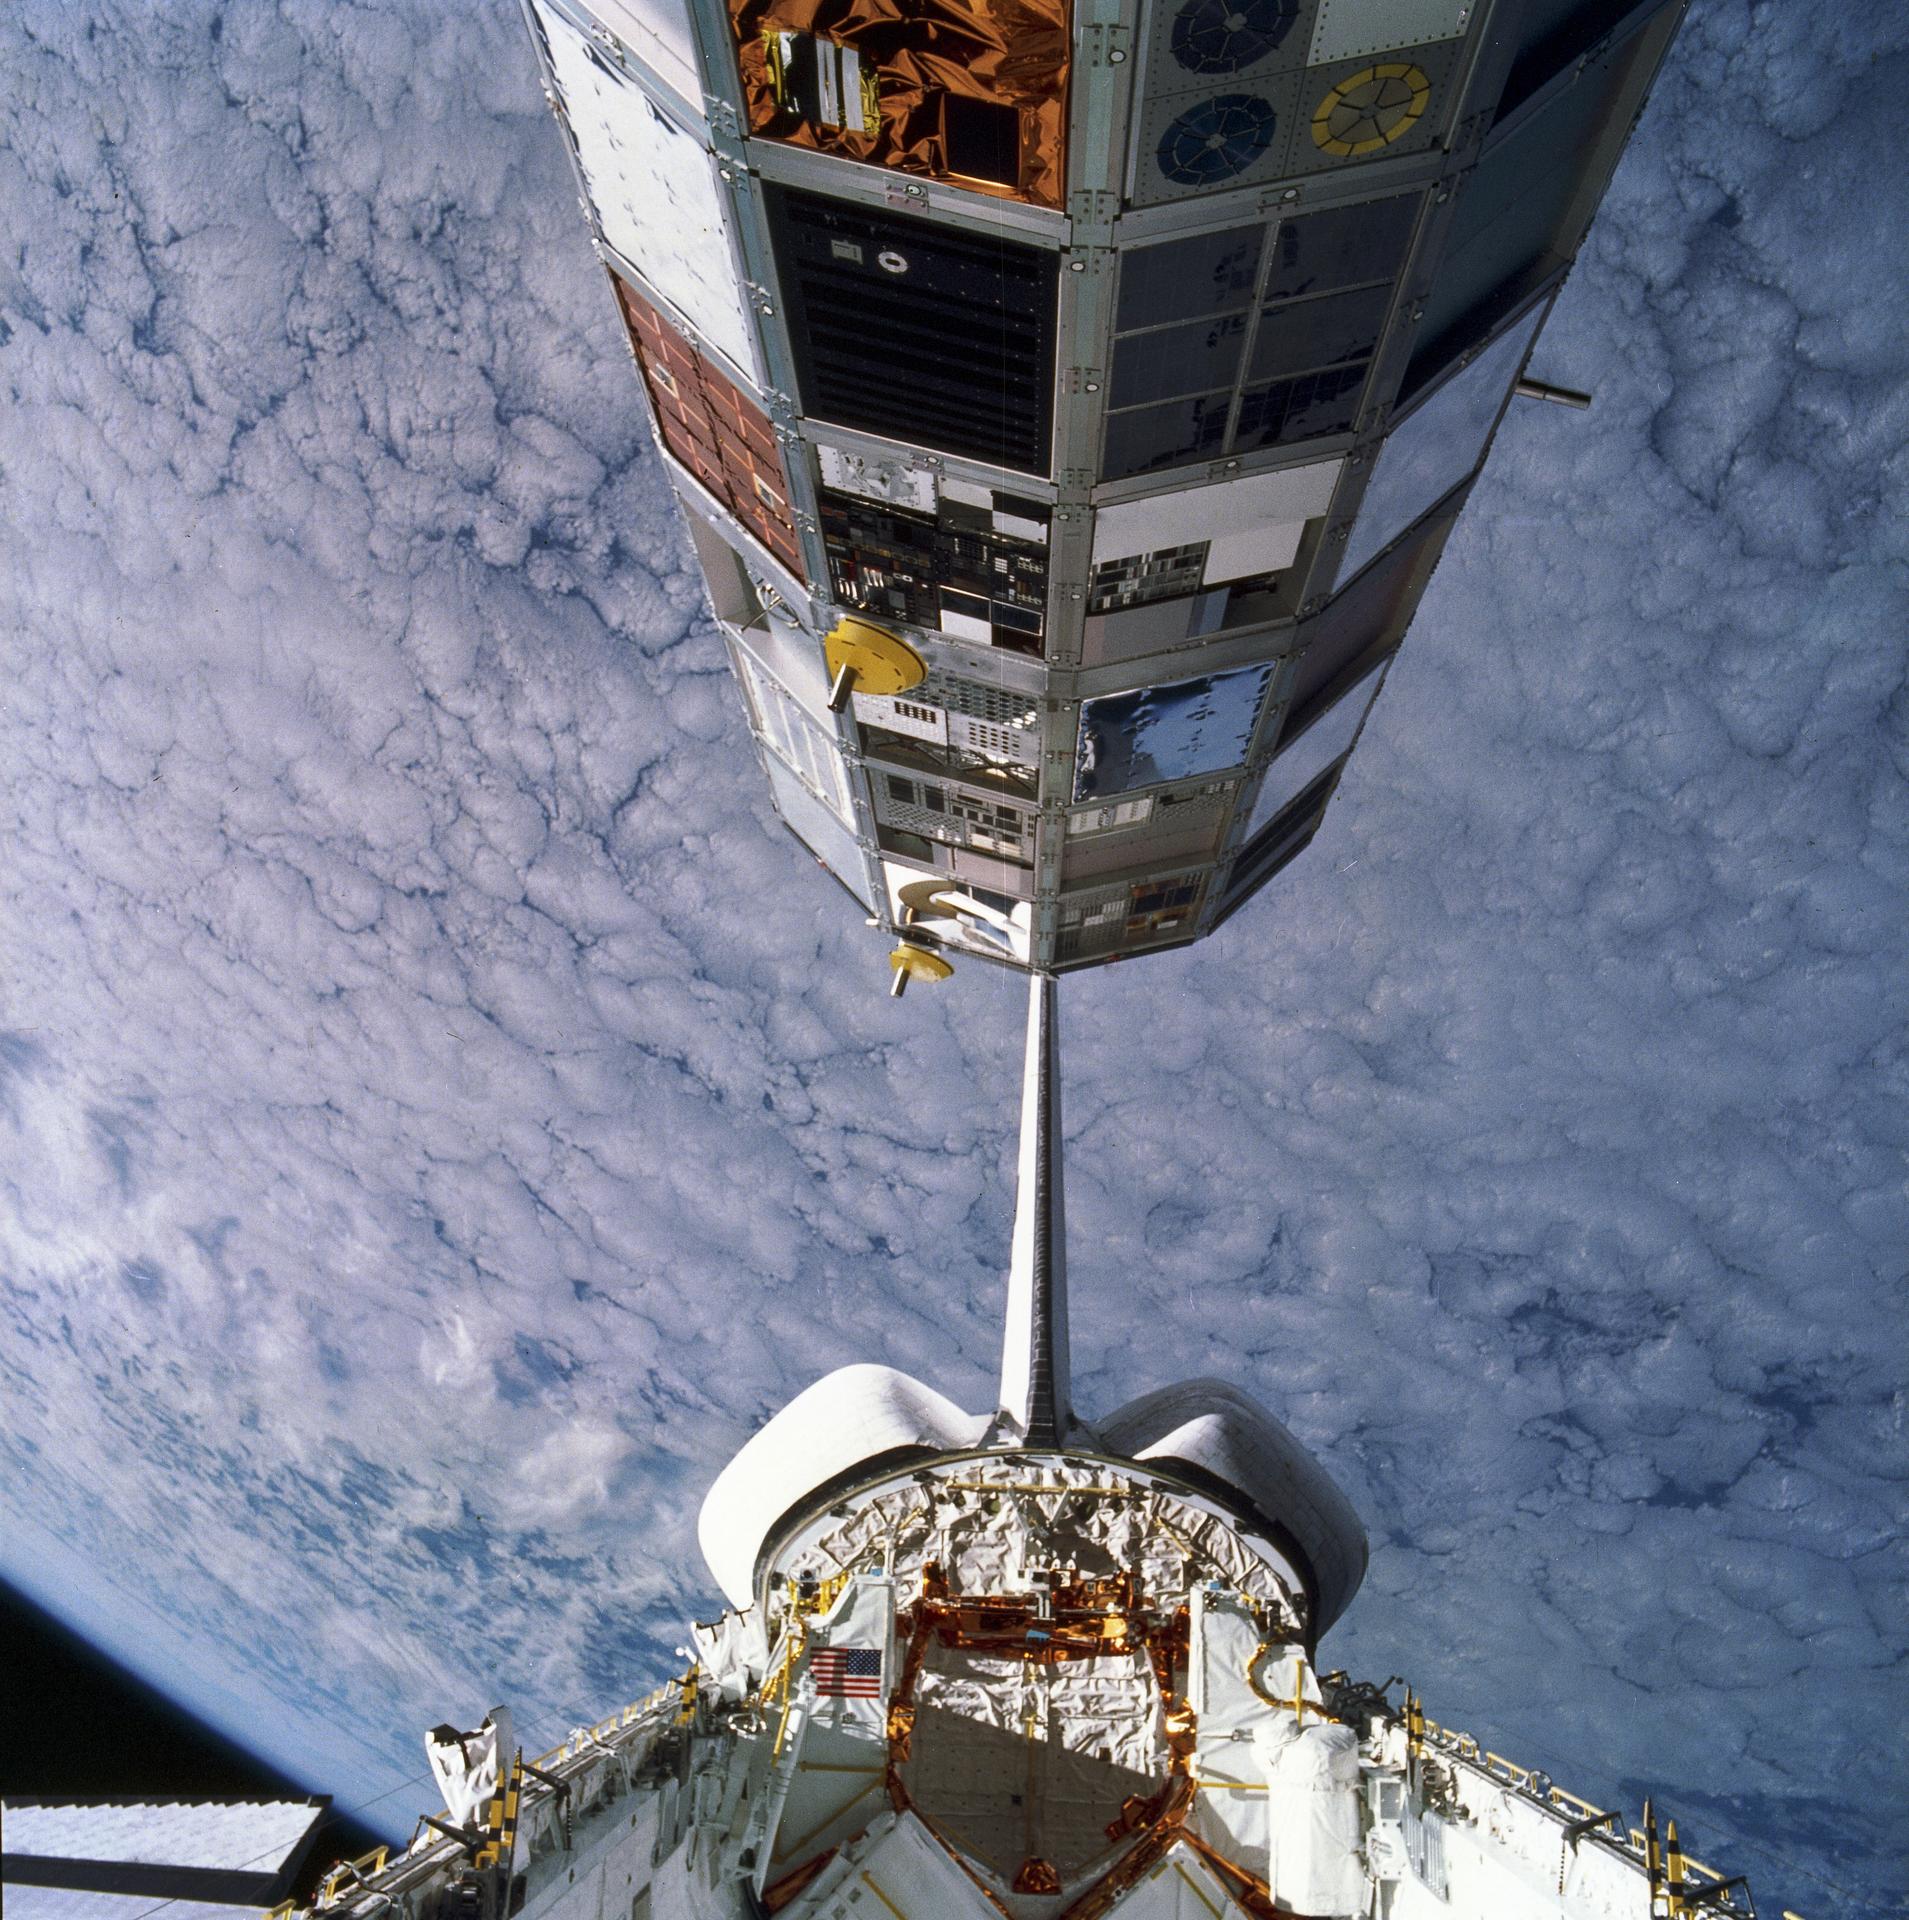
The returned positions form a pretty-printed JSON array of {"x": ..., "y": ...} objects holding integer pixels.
[{"x": 1034, "y": 1386}]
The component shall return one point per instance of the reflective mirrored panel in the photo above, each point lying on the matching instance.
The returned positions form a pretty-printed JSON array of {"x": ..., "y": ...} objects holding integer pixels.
[
  {"x": 1168, "y": 732},
  {"x": 1434, "y": 448},
  {"x": 1298, "y": 764}
]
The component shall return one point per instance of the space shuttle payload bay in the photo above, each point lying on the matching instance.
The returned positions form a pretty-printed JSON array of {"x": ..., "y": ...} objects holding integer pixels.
[{"x": 1019, "y": 1664}]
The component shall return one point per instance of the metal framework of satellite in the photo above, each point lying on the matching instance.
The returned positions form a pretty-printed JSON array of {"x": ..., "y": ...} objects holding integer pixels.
[{"x": 1068, "y": 401}]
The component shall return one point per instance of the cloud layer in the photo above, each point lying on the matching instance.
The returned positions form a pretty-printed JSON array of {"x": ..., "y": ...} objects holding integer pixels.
[{"x": 442, "y": 1113}]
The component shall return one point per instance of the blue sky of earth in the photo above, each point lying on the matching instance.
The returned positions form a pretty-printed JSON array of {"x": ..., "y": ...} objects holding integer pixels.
[{"x": 443, "y": 1114}]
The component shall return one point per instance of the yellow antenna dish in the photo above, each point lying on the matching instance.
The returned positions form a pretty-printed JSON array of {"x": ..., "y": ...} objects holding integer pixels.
[
  {"x": 916, "y": 963},
  {"x": 919, "y": 902},
  {"x": 865, "y": 658}
]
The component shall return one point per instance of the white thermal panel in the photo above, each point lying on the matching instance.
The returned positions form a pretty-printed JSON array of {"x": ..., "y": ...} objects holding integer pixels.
[
  {"x": 658, "y": 33},
  {"x": 818, "y": 829},
  {"x": 1436, "y": 446},
  {"x": 1252, "y": 525},
  {"x": 653, "y": 187},
  {"x": 1348, "y": 29},
  {"x": 963, "y": 626}
]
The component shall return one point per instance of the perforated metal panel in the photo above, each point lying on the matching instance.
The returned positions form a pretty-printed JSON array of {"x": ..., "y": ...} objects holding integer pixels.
[
  {"x": 1262, "y": 91},
  {"x": 1174, "y": 827},
  {"x": 993, "y": 722},
  {"x": 1091, "y": 922},
  {"x": 1141, "y": 913}
]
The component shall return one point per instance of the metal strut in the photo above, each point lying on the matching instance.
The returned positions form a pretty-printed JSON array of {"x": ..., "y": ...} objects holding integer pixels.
[{"x": 1035, "y": 1409}]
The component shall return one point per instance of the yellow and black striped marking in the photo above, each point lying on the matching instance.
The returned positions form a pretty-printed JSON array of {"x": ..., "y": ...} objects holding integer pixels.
[{"x": 500, "y": 1821}]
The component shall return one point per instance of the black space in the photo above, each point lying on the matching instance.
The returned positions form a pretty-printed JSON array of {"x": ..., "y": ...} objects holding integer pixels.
[{"x": 74, "y": 1724}]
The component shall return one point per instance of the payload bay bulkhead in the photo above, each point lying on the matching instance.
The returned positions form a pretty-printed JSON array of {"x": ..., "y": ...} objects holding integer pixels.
[{"x": 1069, "y": 399}]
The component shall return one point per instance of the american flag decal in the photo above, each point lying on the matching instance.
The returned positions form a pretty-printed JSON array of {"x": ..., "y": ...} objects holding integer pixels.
[{"x": 847, "y": 1673}]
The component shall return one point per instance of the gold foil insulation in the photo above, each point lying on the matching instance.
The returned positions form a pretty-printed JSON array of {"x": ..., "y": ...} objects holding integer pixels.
[
  {"x": 713, "y": 428},
  {"x": 971, "y": 93}
]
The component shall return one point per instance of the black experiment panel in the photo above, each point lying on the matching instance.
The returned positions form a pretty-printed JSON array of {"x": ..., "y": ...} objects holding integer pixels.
[{"x": 922, "y": 332}]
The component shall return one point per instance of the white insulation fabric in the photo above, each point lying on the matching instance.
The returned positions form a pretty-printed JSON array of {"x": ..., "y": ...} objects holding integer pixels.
[
  {"x": 733, "y": 1652},
  {"x": 467, "y": 1765},
  {"x": 851, "y": 1415},
  {"x": 1315, "y": 1864}
]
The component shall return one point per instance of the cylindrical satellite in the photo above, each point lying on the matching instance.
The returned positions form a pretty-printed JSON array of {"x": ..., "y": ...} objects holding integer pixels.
[{"x": 1069, "y": 399}]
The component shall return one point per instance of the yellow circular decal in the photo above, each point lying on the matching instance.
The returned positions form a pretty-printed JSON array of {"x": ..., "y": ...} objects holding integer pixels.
[{"x": 1371, "y": 109}]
